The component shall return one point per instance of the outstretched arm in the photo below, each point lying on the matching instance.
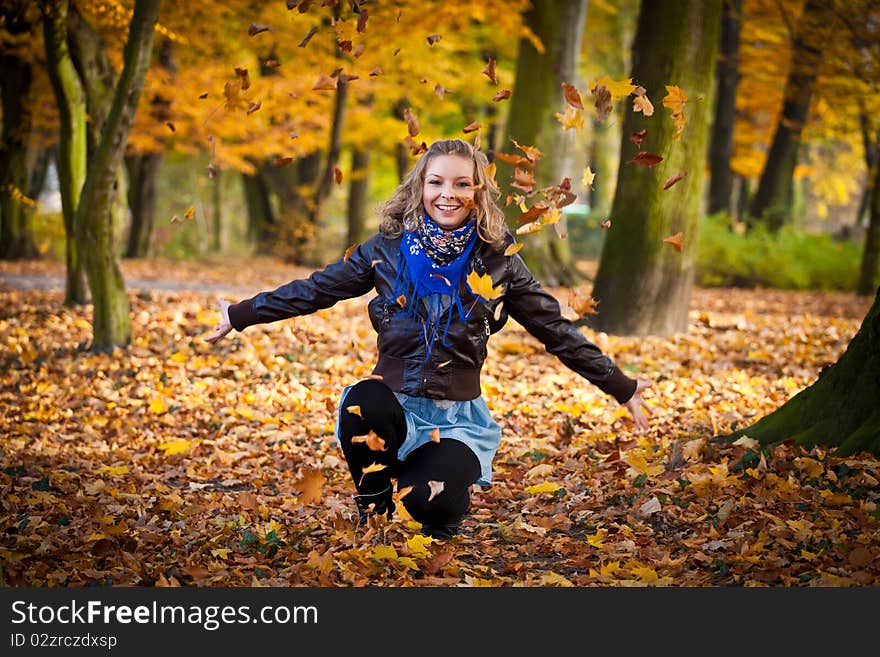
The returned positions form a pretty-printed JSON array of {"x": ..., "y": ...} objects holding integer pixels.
[{"x": 224, "y": 326}]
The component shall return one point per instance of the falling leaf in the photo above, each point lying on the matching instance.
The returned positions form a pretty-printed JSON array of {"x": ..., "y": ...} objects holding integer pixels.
[
  {"x": 253, "y": 107},
  {"x": 212, "y": 171},
  {"x": 435, "y": 434},
  {"x": 348, "y": 251},
  {"x": 401, "y": 301},
  {"x": 602, "y": 102},
  {"x": 489, "y": 71},
  {"x": 516, "y": 160},
  {"x": 412, "y": 123},
  {"x": 674, "y": 179},
  {"x": 572, "y": 119},
  {"x": 358, "y": 50},
  {"x": 490, "y": 171},
  {"x": 376, "y": 72},
  {"x": 354, "y": 409},
  {"x": 325, "y": 83},
  {"x": 170, "y": 125},
  {"x": 513, "y": 248},
  {"x": 254, "y": 29},
  {"x": 605, "y": 223},
  {"x": 638, "y": 137},
  {"x": 641, "y": 103},
  {"x": 532, "y": 227},
  {"x": 363, "y": 15},
  {"x": 530, "y": 151},
  {"x": 482, "y": 286},
  {"x": 588, "y": 178},
  {"x": 309, "y": 486},
  {"x": 533, "y": 213},
  {"x": 646, "y": 159},
  {"x": 176, "y": 220},
  {"x": 675, "y": 100},
  {"x": 203, "y": 96},
  {"x": 282, "y": 161},
  {"x": 190, "y": 213},
  {"x": 307, "y": 37},
  {"x": 373, "y": 467},
  {"x": 403, "y": 492},
  {"x": 471, "y": 127},
  {"x": 244, "y": 77},
  {"x": 271, "y": 63},
  {"x": 524, "y": 180},
  {"x": 582, "y": 304},
  {"x": 415, "y": 148},
  {"x": 344, "y": 45},
  {"x": 436, "y": 488},
  {"x": 337, "y": 175},
  {"x": 372, "y": 440},
  {"x": 440, "y": 90},
  {"x": 497, "y": 314},
  {"x": 433, "y": 38},
  {"x": 503, "y": 94},
  {"x": 616, "y": 89},
  {"x": 572, "y": 96},
  {"x": 677, "y": 241}
]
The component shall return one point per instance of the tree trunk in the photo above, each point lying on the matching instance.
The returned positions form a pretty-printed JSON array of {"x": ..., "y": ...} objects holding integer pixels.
[
  {"x": 602, "y": 156},
  {"x": 401, "y": 152},
  {"x": 72, "y": 150},
  {"x": 772, "y": 201},
  {"x": 16, "y": 206},
  {"x": 727, "y": 78},
  {"x": 143, "y": 172},
  {"x": 840, "y": 409},
  {"x": 643, "y": 285},
  {"x": 537, "y": 96},
  {"x": 871, "y": 254},
  {"x": 261, "y": 218},
  {"x": 357, "y": 195},
  {"x": 217, "y": 214},
  {"x": 111, "y": 311}
]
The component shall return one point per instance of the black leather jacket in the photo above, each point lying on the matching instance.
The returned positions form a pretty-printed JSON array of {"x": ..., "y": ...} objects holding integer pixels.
[{"x": 451, "y": 372}]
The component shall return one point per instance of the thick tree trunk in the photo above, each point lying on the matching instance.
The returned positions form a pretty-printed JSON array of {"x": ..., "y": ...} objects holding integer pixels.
[
  {"x": 840, "y": 409},
  {"x": 111, "y": 311},
  {"x": 603, "y": 150},
  {"x": 143, "y": 173},
  {"x": 357, "y": 195},
  {"x": 72, "y": 150},
  {"x": 871, "y": 255},
  {"x": 726, "y": 77},
  {"x": 643, "y": 285},
  {"x": 16, "y": 206},
  {"x": 537, "y": 96},
  {"x": 773, "y": 198}
]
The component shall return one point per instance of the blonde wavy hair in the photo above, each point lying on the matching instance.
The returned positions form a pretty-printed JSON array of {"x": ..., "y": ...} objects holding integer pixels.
[{"x": 403, "y": 211}]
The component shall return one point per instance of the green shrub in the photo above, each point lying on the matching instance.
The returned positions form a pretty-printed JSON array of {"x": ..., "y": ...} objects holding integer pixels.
[{"x": 790, "y": 259}]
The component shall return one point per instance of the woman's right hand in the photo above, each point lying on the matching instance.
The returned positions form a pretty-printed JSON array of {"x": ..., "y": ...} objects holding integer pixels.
[{"x": 224, "y": 326}]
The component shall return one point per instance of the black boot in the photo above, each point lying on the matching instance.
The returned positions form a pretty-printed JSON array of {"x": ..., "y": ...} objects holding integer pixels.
[
  {"x": 441, "y": 532},
  {"x": 374, "y": 503}
]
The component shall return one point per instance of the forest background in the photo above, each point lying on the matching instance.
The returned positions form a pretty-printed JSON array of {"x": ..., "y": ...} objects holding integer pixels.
[{"x": 693, "y": 180}]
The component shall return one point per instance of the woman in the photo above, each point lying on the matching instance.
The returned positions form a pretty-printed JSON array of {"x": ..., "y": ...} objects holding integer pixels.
[{"x": 440, "y": 273}]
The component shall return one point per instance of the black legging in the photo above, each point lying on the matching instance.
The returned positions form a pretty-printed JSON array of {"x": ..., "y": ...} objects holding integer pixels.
[{"x": 449, "y": 461}]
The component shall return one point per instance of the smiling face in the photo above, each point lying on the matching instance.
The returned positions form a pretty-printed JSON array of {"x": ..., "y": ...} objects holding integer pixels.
[{"x": 448, "y": 192}]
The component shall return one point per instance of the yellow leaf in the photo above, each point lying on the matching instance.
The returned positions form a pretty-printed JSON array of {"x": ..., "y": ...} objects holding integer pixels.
[
  {"x": 112, "y": 470},
  {"x": 675, "y": 98},
  {"x": 158, "y": 406},
  {"x": 373, "y": 467},
  {"x": 617, "y": 89},
  {"x": 417, "y": 545},
  {"x": 644, "y": 573},
  {"x": 245, "y": 412},
  {"x": 546, "y": 487},
  {"x": 588, "y": 178},
  {"x": 609, "y": 568},
  {"x": 553, "y": 579},
  {"x": 482, "y": 286},
  {"x": 532, "y": 227},
  {"x": 178, "y": 357},
  {"x": 384, "y": 552},
  {"x": 573, "y": 119},
  {"x": 490, "y": 171},
  {"x": 513, "y": 248},
  {"x": 355, "y": 409},
  {"x": 597, "y": 540},
  {"x": 221, "y": 553},
  {"x": 177, "y": 446},
  {"x": 190, "y": 212}
]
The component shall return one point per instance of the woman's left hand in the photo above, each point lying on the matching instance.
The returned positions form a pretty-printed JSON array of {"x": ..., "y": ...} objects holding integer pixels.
[{"x": 636, "y": 404}]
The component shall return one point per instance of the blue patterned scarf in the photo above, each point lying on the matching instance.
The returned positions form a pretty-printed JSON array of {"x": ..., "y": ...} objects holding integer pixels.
[{"x": 431, "y": 264}]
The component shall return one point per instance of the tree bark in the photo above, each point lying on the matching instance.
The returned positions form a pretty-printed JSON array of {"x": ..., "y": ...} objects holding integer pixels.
[
  {"x": 72, "y": 150},
  {"x": 111, "y": 310},
  {"x": 16, "y": 205},
  {"x": 727, "y": 78},
  {"x": 840, "y": 409},
  {"x": 261, "y": 218},
  {"x": 871, "y": 254},
  {"x": 643, "y": 285},
  {"x": 773, "y": 198},
  {"x": 357, "y": 195},
  {"x": 537, "y": 96},
  {"x": 143, "y": 171}
]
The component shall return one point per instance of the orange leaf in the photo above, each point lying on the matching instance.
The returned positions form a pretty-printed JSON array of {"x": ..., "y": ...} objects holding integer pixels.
[
  {"x": 325, "y": 83},
  {"x": 354, "y": 409},
  {"x": 435, "y": 434},
  {"x": 253, "y": 107},
  {"x": 401, "y": 301},
  {"x": 513, "y": 248},
  {"x": 471, "y": 127},
  {"x": 347, "y": 253},
  {"x": 373, "y": 441},
  {"x": 412, "y": 123},
  {"x": 645, "y": 159},
  {"x": 572, "y": 96},
  {"x": 489, "y": 71},
  {"x": 309, "y": 486},
  {"x": 282, "y": 161},
  {"x": 337, "y": 175},
  {"x": 674, "y": 179},
  {"x": 504, "y": 94},
  {"x": 677, "y": 241},
  {"x": 582, "y": 304}
]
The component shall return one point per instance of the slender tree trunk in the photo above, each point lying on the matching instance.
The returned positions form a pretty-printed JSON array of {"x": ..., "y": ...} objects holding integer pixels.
[
  {"x": 773, "y": 198},
  {"x": 261, "y": 219},
  {"x": 15, "y": 205},
  {"x": 840, "y": 409},
  {"x": 72, "y": 150},
  {"x": 602, "y": 156},
  {"x": 111, "y": 310},
  {"x": 537, "y": 96},
  {"x": 143, "y": 172},
  {"x": 401, "y": 152},
  {"x": 727, "y": 78},
  {"x": 871, "y": 255},
  {"x": 357, "y": 195},
  {"x": 643, "y": 285},
  {"x": 217, "y": 214}
]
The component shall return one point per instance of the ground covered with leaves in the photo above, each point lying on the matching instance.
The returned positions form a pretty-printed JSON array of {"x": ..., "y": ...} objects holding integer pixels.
[{"x": 176, "y": 462}]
